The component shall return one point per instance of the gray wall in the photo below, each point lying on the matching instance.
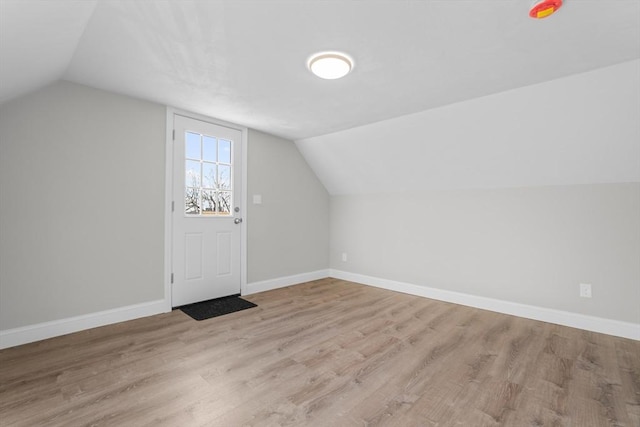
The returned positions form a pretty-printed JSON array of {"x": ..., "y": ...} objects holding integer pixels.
[
  {"x": 517, "y": 196},
  {"x": 288, "y": 232},
  {"x": 81, "y": 204},
  {"x": 527, "y": 245}
]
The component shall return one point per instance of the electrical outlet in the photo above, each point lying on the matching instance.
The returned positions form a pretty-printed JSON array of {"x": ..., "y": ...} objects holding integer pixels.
[
  {"x": 344, "y": 257},
  {"x": 585, "y": 290}
]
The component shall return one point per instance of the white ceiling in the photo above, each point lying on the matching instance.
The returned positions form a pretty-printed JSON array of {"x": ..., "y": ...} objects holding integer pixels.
[
  {"x": 580, "y": 129},
  {"x": 244, "y": 61},
  {"x": 37, "y": 41}
]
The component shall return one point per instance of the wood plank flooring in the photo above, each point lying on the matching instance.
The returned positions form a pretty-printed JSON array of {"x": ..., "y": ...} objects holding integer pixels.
[{"x": 325, "y": 353}]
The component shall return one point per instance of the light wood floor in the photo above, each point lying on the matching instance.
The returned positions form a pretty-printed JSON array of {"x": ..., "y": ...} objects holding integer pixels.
[{"x": 325, "y": 353}]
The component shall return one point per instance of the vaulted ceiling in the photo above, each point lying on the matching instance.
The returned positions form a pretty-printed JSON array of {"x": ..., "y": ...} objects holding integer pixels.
[{"x": 244, "y": 61}]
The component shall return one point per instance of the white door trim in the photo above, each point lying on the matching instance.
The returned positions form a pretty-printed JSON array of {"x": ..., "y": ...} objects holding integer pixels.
[{"x": 168, "y": 197}]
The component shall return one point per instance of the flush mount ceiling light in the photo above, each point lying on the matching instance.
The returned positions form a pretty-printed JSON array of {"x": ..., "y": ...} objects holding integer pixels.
[{"x": 330, "y": 65}]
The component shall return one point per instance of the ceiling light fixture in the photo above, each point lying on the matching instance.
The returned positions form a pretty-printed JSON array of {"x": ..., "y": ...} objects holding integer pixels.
[{"x": 330, "y": 65}]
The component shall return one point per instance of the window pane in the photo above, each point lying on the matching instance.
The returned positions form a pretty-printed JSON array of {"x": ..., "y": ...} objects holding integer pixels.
[
  {"x": 224, "y": 177},
  {"x": 224, "y": 151},
  {"x": 192, "y": 173},
  {"x": 209, "y": 148},
  {"x": 192, "y": 201},
  {"x": 209, "y": 202},
  {"x": 192, "y": 144},
  {"x": 224, "y": 202},
  {"x": 208, "y": 170},
  {"x": 208, "y": 175}
]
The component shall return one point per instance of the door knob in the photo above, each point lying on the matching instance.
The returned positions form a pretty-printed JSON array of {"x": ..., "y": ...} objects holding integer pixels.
[{"x": 237, "y": 220}]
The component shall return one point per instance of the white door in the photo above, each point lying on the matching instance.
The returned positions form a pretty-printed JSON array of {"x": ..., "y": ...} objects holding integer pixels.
[{"x": 207, "y": 211}]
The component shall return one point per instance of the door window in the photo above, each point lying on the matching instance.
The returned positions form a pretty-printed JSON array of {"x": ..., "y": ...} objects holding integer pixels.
[{"x": 208, "y": 172}]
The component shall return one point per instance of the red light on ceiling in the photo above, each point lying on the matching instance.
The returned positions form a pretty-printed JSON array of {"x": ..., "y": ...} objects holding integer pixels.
[{"x": 543, "y": 8}]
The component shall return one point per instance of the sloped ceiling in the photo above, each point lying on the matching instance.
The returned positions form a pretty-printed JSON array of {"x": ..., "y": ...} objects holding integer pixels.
[
  {"x": 580, "y": 129},
  {"x": 245, "y": 61},
  {"x": 37, "y": 41}
]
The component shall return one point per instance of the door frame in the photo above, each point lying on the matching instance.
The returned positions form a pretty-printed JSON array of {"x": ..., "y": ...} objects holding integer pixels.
[{"x": 168, "y": 198}]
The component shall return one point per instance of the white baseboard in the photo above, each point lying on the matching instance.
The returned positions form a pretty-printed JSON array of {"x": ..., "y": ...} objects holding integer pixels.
[
  {"x": 27, "y": 334},
  {"x": 281, "y": 282},
  {"x": 41, "y": 331},
  {"x": 564, "y": 318}
]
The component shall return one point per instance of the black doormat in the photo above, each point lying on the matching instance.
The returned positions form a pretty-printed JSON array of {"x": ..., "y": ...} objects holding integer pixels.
[{"x": 216, "y": 307}]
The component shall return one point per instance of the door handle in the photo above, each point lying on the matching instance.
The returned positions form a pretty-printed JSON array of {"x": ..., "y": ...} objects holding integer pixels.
[{"x": 237, "y": 220}]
